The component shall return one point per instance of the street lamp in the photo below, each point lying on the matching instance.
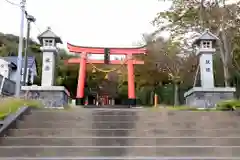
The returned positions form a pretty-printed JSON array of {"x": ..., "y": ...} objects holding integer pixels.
[{"x": 30, "y": 19}]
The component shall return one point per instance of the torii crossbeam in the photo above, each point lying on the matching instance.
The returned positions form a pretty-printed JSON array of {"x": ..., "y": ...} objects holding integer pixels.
[{"x": 82, "y": 61}]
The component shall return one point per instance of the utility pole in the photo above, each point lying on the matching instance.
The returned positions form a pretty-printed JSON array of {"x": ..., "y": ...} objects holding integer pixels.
[
  {"x": 20, "y": 48},
  {"x": 29, "y": 20}
]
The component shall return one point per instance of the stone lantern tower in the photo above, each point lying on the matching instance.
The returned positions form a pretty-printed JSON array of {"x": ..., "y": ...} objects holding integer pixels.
[
  {"x": 50, "y": 95},
  {"x": 207, "y": 95},
  {"x": 49, "y": 41}
]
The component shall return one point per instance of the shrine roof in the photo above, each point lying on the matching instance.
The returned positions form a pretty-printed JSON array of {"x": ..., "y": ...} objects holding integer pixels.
[
  {"x": 100, "y": 50},
  {"x": 105, "y": 47}
]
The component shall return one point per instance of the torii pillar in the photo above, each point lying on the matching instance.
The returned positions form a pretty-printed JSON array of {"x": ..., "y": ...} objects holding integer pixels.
[
  {"x": 81, "y": 78},
  {"x": 131, "y": 81},
  {"x": 83, "y": 61}
]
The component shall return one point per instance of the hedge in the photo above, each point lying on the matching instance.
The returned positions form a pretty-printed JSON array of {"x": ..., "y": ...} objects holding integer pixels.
[{"x": 229, "y": 105}]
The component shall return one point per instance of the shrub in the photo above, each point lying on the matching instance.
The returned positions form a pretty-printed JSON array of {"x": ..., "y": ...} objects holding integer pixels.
[
  {"x": 228, "y": 105},
  {"x": 11, "y": 105}
]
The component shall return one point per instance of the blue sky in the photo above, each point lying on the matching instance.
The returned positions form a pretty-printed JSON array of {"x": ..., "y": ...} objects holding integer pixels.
[{"x": 118, "y": 23}]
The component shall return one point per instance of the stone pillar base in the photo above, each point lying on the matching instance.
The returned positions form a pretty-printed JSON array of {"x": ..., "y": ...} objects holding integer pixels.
[
  {"x": 80, "y": 101},
  {"x": 208, "y": 97},
  {"x": 49, "y": 96},
  {"x": 132, "y": 102}
]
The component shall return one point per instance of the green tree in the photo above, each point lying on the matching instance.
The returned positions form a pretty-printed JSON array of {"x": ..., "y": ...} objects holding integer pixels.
[
  {"x": 194, "y": 16},
  {"x": 171, "y": 60}
]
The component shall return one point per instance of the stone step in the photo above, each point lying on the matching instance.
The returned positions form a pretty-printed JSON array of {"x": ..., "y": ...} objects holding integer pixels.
[
  {"x": 108, "y": 119},
  {"x": 55, "y": 124},
  {"x": 140, "y": 112},
  {"x": 76, "y": 132},
  {"x": 119, "y": 158},
  {"x": 60, "y": 117},
  {"x": 128, "y": 124},
  {"x": 122, "y": 111},
  {"x": 65, "y": 151},
  {"x": 157, "y": 117},
  {"x": 87, "y": 112},
  {"x": 135, "y": 111},
  {"x": 121, "y": 141}
]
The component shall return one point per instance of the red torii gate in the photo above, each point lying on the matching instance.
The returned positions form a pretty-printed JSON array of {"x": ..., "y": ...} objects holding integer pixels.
[{"x": 83, "y": 51}]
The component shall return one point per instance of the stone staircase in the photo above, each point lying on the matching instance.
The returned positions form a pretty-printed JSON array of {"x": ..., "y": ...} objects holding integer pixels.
[{"x": 124, "y": 134}]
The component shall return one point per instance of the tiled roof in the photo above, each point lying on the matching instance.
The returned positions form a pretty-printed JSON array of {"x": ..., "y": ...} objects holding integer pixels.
[
  {"x": 31, "y": 63},
  {"x": 13, "y": 59}
]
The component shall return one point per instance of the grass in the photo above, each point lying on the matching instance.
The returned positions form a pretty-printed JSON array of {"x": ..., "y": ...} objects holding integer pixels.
[
  {"x": 181, "y": 108},
  {"x": 187, "y": 108},
  {"x": 11, "y": 105}
]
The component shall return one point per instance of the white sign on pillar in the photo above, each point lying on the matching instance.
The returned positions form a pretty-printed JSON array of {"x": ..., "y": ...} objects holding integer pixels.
[
  {"x": 206, "y": 70},
  {"x": 48, "y": 68}
]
